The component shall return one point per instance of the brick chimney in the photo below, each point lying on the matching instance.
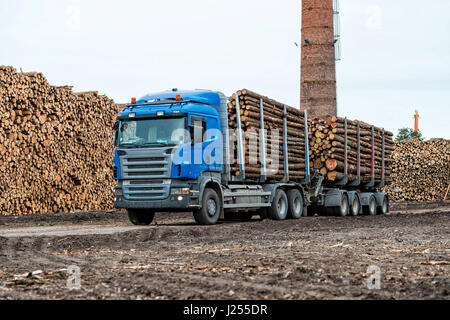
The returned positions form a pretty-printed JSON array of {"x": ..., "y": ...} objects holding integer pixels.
[{"x": 318, "y": 66}]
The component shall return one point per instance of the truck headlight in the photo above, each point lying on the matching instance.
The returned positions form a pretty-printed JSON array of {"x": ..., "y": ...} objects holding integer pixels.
[
  {"x": 179, "y": 191},
  {"x": 118, "y": 192}
]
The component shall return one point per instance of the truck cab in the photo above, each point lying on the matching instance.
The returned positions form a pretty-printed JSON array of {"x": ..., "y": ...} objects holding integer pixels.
[{"x": 168, "y": 149}]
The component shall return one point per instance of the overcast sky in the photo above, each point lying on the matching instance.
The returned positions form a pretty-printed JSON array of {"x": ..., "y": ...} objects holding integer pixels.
[{"x": 395, "y": 54}]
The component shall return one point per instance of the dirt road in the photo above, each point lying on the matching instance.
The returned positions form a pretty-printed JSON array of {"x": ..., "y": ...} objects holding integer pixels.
[{"x": 312, "y": 258}]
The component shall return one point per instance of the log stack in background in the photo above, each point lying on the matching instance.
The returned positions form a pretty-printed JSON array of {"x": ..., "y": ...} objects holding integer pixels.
[
  {"x": 273, "y": 120},
  {"x": 327, "y": 149},
  {"x": 56, "y": 148},
  {"x": 420, "y": 171}
]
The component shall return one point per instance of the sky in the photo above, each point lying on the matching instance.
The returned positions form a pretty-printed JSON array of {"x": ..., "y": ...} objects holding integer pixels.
[{"x": 395, "y": 54}]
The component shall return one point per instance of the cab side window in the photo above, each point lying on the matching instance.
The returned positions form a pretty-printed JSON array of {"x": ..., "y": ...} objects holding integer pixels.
[{"x": 198, "y": 129}]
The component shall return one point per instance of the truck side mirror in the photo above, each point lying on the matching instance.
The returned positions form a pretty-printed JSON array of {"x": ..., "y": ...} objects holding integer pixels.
[{"x": 116, "y": 125}]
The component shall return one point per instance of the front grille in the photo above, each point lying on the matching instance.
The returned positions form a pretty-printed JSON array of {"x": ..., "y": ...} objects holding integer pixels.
[
  {"x": 145, "y": 195},
  {"x": 145, "y": 167},
  {"x": 146, "y": 159},
  {"x": 146, "y": 189},
  {"x": 146, "y": 182},
  {"x": 150, "y": 173},
  {"x": 146, "y": 174}
]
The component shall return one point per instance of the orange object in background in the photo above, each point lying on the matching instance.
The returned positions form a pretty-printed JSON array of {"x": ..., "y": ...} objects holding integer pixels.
[
  {"x": 416, "y": 121},
  {"x": 133, "y": 100}
]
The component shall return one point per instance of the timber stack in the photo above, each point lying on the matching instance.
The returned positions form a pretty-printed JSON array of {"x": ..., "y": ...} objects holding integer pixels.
[
  {"x": 420, "y": 171},
  {"x": 56, "y": 146},
  {"x": 273, "y": 115},
  {"x": 335, "y": 140}
]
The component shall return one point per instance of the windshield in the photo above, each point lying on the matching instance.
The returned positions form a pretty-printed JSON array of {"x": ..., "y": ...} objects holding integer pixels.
[{"x": 151, "y": 132}]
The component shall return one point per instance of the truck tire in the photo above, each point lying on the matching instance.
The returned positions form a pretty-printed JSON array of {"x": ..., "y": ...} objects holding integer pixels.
[
  {"x": 279, "y": 208},
  {"x": 371, "y": 209},
  {"x": 211, "y": 207},
  {"x": 384, "y": 208},
  {"x": 295, "y": 204},
  {"x": 141, "y": 217},
  {"x": 343, "y": 209},
  {"x": 355, "y": 207}
]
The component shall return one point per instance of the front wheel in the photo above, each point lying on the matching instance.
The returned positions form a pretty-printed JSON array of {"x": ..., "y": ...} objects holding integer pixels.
[
  {"x": 211, "y": 207},
  {"x": 141, "y": 217}
]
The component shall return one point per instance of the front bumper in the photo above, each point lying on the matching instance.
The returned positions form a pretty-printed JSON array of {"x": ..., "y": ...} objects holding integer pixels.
[
  {"x": 161, "y": 205},
  {"x": 174, "y": 202}
]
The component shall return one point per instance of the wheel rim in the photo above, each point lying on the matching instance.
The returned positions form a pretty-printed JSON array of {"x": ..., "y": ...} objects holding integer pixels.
[
  {"x": 297, "y": 205},
  {"x": 372, "y": 206},
  {"x": 384, "y": 208},
  {"x": 211, "y": 207},
  {"x": 281, "y": 206},
  {"x": 355, "y": 206},
  {"x": 344, "y": 206}
]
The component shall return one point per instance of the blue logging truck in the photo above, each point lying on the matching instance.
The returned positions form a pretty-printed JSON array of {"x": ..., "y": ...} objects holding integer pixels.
[{"x": 172, "y": 154}]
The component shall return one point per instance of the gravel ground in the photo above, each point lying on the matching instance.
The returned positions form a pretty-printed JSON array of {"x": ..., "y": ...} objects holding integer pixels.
[{"x": 311, "y": 258}]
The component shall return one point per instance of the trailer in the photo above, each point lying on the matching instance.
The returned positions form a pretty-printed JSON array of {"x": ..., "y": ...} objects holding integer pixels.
[{"x": 172, "y": 153}]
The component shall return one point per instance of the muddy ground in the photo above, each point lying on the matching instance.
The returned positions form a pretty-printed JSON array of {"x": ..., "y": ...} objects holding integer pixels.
[{"x": 311, "y": 258}]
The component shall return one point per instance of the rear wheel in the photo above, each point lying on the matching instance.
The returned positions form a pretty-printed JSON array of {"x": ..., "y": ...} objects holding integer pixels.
[
  {"x": 211, "y": 206},
  {"x": 384, "y": 209},
  {"x": 343, "y": 209},
  {"x": 355, "y": 207},
  {"x": 141, "y": 217},
  {"x": 295, "y": 204},
  {"x": 279, "y": 208},
  {"x": 371, "y": 209}
]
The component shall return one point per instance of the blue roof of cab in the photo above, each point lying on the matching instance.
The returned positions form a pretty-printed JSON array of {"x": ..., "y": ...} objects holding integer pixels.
[{"x": 203, "y": 97}]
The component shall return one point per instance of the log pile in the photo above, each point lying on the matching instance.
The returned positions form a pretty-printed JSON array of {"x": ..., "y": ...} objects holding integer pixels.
[
  {"x": 420, "y": 171},
  {"x": 327, "y": 150},
  {"x": 56, "y": 148},
  {"x": 273, "y": 123}
]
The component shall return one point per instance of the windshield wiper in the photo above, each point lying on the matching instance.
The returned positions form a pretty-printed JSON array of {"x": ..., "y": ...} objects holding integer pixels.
[
  {"x": 152, "y": 144},
  {"x": 127, "y": 145},
  {"x": 148, "y": 144}
]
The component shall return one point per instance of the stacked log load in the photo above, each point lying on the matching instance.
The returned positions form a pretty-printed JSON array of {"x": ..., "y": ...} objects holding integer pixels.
[
  {"x": 273, "y": 123},
  {"x": 56, "y": 148},
  {"x": 327, "y": 150},
  {"x": 420, "y": 171}
]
